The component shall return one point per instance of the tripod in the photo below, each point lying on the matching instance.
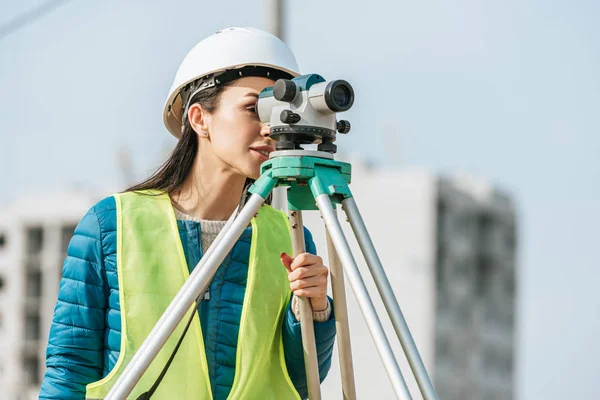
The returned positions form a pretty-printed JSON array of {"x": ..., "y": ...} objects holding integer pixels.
[{"x": 316, "y": 182}]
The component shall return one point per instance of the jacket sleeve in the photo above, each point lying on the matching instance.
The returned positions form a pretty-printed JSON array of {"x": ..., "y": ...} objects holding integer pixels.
[
  {"x": 74, "y": 356},
  {"x": 292, "y": 340}
]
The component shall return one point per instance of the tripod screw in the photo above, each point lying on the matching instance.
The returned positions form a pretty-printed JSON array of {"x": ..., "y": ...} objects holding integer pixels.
[
  {"x": 343, "y": 126},
  {"x": 289, "y": 117},
  {"x": 328, "y": 147}
]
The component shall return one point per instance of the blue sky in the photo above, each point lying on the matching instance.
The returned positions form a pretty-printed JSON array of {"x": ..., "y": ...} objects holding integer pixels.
[{"x": 506, "y": 90}]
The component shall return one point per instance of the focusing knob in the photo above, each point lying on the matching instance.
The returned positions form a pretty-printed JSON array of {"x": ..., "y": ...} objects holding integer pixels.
[
  {"x": 289, "y": 117},
  {"x": 284, "y": 90},
  {"x": 343, "y": 126}
]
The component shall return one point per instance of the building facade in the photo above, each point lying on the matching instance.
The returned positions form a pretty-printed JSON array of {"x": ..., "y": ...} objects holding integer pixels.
[
  {"x": 475, "y": 307},
  {"x": 34, "y": 236},
  {"x": 448, "y": 246}
]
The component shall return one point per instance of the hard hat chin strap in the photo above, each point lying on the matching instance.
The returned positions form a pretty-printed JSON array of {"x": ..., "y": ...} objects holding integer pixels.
[{"x": 188, "y": 92}]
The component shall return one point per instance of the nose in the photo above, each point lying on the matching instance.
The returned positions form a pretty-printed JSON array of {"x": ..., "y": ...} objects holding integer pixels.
[{"x": 265, "y": 130}]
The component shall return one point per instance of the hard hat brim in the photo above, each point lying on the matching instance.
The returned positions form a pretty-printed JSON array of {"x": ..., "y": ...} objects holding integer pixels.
[{"x": 172, "y": 110}]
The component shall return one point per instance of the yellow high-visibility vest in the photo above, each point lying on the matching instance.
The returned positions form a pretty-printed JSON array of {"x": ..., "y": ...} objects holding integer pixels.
[{"x": 151, "y": 269}]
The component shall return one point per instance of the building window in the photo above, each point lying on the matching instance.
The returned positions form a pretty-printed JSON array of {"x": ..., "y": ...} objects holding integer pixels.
[
  {"x": 32, "y": 369},
  {"x": 34, "y": 283},
  {"x": 462, "y": 269},
  {"x": 489, "y": 360},
  {"x": 483, "y": 277},
  {"x": 510, "y": 239},
  {"x": 497, "y": 362},
  {"x": 487, "y": 232},
  {"x": 35, "y": 239},
  {"x": 491, "y": 395},
  {"x": 509, "y": 285},
  {"x": 2, "y": 241},
  {"x": 505, "y": 364},
  {"x": 440, "y": 273},
  {"x": 440, "y": 253},
  {"x": 492, "y": 313},
  {"x": 443, "y": 347},
  {"x": 66, "y": 235},
  {"x": 1, "y": 283},
  {"x": 34, "y": 262},
  {"x": 441, "y": 218},
  {"x": 32, "y": 327}
]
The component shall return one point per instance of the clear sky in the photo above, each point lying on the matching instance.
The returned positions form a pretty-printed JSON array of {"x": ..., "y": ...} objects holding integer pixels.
[{"x": 506, "y": 90}]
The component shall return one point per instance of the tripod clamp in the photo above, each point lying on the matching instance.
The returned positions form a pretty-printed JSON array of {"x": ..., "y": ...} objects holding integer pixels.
[{"x": 308, "y": 174}]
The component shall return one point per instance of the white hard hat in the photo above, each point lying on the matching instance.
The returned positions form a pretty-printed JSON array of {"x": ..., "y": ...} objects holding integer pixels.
[{"x": 227, "y": 49}]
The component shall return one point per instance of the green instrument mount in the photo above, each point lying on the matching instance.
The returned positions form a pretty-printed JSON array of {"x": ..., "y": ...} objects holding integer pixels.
[{"x": 307, "y": 177}]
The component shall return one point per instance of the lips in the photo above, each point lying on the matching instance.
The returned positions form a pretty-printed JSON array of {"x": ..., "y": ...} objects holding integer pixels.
[
  {"x": 262, "y": 155},
  {"x": 262, "y": 151}
]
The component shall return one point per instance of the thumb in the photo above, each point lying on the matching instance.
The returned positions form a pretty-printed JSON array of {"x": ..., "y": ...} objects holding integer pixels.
[{"x": 286, "y": 260}]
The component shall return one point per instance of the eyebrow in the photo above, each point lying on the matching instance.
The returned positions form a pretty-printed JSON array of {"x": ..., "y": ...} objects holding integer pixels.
[{"x": 251, "y": 94}]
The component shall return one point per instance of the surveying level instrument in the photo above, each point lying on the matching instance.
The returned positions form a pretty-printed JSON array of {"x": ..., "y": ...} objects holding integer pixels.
[{"x": 302, "y": 111}]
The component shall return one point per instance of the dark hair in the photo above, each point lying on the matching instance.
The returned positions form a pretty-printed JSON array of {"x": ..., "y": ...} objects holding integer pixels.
[{"x": 169, "y": 177}]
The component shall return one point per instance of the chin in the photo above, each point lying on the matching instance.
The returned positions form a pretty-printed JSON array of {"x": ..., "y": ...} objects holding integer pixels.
[
  {"x": 253, "y": 172},
  {"x": 250, "y": 173},
  {"x": 254, "y": 176}
]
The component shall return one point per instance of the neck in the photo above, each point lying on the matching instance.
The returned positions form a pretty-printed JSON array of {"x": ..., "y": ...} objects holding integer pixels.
[{"x": 210, "y": 196}]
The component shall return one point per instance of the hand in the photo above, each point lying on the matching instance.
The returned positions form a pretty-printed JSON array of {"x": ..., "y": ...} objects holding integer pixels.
[{"x": 308, "y": 277}]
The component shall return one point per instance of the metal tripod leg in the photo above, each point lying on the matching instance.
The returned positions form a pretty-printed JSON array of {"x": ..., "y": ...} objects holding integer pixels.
[
  {"x": 341, "y": 321},
  {"x": 307, "y": 328},
  {"x": 389, "y": 300},
  {"x": 196, "y": 284},
  {"x": 362, "y": 296}
]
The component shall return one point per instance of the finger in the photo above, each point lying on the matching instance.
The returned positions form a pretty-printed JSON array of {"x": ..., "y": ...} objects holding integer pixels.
[
  {"x": 311, "y": 292},
  {"x": 305, "y": 259},
  {"x": 313, "y": 281},
  {"x": 286, "y": 260},
  {"x": 307, "y": 272}
]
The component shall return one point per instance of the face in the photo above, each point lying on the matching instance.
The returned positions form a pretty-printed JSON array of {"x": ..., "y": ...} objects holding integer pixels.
[{"x": 237, "y": 141}]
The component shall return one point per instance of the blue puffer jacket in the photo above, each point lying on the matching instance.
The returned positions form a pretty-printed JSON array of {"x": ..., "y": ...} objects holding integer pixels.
[{"x": 85, "y": 335}]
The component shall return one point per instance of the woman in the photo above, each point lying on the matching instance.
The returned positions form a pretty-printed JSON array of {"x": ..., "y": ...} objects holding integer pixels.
[{"x": 132, "y": 252}]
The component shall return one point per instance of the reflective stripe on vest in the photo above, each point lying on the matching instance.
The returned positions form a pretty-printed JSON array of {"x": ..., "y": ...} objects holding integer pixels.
[{"x": 151, "y": 269}]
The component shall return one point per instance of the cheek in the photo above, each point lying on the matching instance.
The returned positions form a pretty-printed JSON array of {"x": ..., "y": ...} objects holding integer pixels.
[
  {"x": 233, "y": 134},
  {"x": 233, "y": 139},
  {"x": 240, "y": 130}
]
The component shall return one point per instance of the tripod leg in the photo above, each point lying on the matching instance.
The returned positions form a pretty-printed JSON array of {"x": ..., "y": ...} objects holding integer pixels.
[
  {"x": 387, "y": 295},
  {"x": 341, "y": 321},
  {"x": 180, "y": 305},
  {"x": 307, "y": 328},
  {"x": 362, "y": 296}
]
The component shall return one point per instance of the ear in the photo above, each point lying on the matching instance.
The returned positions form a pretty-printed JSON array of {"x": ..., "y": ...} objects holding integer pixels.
[{"x": 199, "y": 119}]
